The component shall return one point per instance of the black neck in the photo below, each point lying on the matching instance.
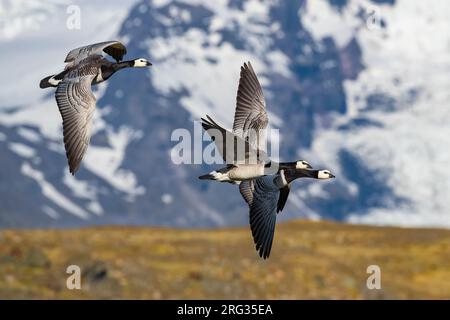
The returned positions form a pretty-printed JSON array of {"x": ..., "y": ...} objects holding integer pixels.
[
  {"x": 123, "y": 64},
  {"x": 277, "y": 166},
  {"x": 291, "y": 174},
  {"x": 287, "y": 165}
]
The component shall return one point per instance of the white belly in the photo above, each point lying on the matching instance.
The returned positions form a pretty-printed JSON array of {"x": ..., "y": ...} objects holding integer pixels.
[{"x": 246, "y": 172}]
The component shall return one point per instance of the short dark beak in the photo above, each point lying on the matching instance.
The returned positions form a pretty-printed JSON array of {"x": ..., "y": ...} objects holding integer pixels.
[
  {"x": 148, "y": 64},
  {"x": 308, "y": 166},
  {"x": 332, "y": 176}
]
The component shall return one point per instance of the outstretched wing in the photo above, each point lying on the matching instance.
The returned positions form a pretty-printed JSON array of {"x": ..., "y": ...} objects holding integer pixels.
[
  {"x": 250, "y": 117},
  {"x": 113, "y": 48},
  {"x": 76, "y": 103},
  {"x": 232, "y": 148},
  {"x": 263, "y": 214}
]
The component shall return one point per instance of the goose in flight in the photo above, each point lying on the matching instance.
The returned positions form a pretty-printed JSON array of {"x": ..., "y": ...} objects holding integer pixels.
[
  {"x": 86, "y": 66},
  {"x": 244, "y": 148},
  {"x": 266, "y": 196}
]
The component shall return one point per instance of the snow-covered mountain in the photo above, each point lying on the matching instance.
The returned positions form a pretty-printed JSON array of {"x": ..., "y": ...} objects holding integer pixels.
[{"x": 358, "y": 86}]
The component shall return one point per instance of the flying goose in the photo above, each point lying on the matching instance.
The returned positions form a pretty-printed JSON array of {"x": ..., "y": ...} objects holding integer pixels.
[
  {"x": 247, "y": 158},
  {"x": 86, "y": 66},
  {"x": 261, "y": 195}
]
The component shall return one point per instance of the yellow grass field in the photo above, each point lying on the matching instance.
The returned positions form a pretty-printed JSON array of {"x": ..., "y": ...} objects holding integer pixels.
[{"x": 309, "y": 260}]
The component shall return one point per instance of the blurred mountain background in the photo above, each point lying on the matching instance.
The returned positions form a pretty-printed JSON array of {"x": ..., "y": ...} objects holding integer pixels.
[{"x": 357, "y": 86}]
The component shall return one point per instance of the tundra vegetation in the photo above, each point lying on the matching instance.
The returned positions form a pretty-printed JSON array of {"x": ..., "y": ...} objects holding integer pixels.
[{"x": 317, "y": 260}]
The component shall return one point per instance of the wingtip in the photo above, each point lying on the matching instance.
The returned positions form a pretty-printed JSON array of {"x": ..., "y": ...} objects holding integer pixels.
[
  {"x": 73, "y": 170},
  {"x": 261, "y": 250},
  {"x": 247, "y": 65},
  {"x": 206, "y": 124},
  {"x": 206, "y": 120},
  {"x": 264, "y": 254}
]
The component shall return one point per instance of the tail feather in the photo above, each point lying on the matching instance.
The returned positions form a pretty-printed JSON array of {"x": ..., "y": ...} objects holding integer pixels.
[
  {"x": 207, "y": 177},
  {"x": 219, "y": 175}
]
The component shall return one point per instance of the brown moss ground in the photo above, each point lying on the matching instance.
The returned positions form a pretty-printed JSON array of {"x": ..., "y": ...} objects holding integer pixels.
[{"x": 309, "y": 260}]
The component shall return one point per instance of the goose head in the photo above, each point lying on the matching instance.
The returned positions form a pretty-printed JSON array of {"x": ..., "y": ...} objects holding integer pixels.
[
  {"x": 293, "y": 174},
  {"x": 324, "y": 174},
  {"x": 302, "y": 164},
  {"x": 141, "y": 62}
]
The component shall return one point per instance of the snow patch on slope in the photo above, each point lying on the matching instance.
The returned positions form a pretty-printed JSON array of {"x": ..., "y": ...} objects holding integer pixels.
[
  {"x": 322, "y": 20},
  {"x": 17, "y": 16},
  {"x": 49, "y": 191},
  {"x": 105, "y": 162},
  {"x": 210, "y": 73},
  {"x": 43, "y": 115},
  {"x": 22, "y": 150},
  {"x": 213, "y": 88},
  {"x": 50, "y": 212},
  {"x": 29, "y": 135}
]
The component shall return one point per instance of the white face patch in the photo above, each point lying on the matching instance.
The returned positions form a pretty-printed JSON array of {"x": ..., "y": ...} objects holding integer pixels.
[
  {"x": 324, "y": 174},
  {"x": 53, "y": 81},
  {"x": 301, "y": 165},
  {"x": 139, "y": 63},
  {"x": 222, "y": 177}
]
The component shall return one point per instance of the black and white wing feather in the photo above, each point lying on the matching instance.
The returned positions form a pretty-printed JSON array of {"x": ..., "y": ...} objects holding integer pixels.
[
  {"x": 246, "y": 188},
  {"x": 250, "y": 117},
  {"x": 76, "y": 103},
  {"x": 232, "y": 148},
  {"x": 113, "y": 48},
  {"x": 250, "y": 120},
  {"x": 263, "y": 213}
]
